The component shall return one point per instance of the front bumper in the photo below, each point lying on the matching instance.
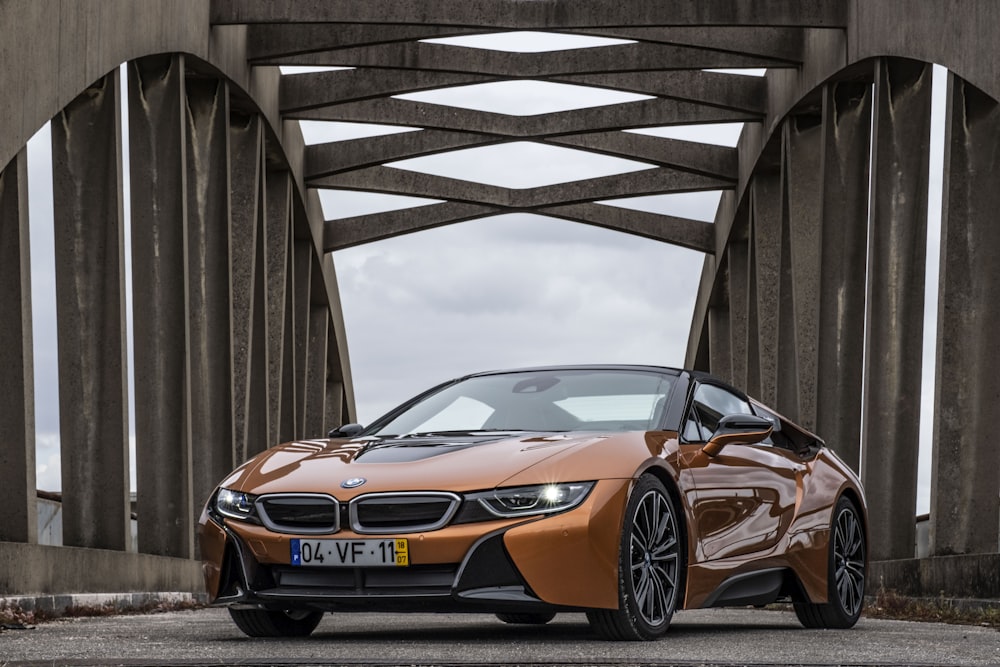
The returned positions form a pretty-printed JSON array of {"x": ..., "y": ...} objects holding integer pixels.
[{"x": 564, "y": 562}]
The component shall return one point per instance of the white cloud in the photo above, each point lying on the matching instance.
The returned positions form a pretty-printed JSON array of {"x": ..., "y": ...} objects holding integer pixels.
[
  {"x": 527, "y": 41},
  {"x": 520, "y": 165},
  {"x": 515, "y": 290},
  {"x": 523, "y": 97}
]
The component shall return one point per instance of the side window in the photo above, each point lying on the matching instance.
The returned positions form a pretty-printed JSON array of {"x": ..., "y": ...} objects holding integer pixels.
[{"x": 711, "y": 404}]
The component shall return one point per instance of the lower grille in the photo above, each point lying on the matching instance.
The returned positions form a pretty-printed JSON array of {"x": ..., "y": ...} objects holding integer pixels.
[{"x": 422, "y": 579}]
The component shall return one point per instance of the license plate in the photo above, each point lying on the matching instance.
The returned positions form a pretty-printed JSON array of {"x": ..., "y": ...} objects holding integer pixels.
[{"x": 350, "y": 553}]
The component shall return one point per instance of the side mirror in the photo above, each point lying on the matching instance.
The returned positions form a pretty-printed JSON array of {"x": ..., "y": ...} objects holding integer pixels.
[
  {"x": 738, "y": 430},
  {"x": 346, "y": 431}
]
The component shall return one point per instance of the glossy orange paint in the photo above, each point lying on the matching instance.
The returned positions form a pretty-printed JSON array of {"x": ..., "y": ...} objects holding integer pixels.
[{"x": 572, "y": 558}]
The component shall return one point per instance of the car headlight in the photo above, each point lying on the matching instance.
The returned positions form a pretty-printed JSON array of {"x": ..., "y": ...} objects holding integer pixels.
[
  {"x": 538, "y": 499},
  {"x": 235, "y": 504}
]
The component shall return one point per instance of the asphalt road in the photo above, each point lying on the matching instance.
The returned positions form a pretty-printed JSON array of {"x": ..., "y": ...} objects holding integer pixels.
[{"x": 704, "y": 637}]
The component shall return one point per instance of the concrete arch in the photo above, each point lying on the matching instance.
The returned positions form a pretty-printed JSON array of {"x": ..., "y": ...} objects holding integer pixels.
[
  {"x": 791, "y": 260},
  {"x": 239, "y": 334}
]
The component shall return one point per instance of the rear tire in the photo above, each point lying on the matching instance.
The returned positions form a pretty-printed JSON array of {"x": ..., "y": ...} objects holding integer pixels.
[
  {"x": 265, "y": 623},
  {"x": 650, "y": 567},
  {"x": 537, "y": 618},
  {"x": 845, "y": 574}
]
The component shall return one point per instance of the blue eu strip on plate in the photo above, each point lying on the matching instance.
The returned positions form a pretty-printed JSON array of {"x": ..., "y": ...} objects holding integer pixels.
[{"x": 296, "y": 553}]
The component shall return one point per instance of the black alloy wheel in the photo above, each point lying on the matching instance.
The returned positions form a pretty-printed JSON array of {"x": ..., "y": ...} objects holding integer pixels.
[
  {"x": 650, "y": 568},
  {"x": 846, "y": 574}
]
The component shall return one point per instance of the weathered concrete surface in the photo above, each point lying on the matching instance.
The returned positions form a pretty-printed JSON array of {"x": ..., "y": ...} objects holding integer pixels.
[
  {"x": 967, "y": 576},
  {"x": 90, "y": 305},
  {"x": 17, "y": 411},
  {"x": 709, "y": 637},
  {"x": 36, "y": 569}
]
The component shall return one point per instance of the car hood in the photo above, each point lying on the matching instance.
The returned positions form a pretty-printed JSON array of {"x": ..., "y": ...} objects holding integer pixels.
[{"x": 462, "y": 463}]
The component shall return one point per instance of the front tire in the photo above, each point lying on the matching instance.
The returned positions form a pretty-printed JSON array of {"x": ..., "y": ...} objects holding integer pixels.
[
  {"x": 265, "y": 623},
  {"x": 845, "y": 574},
  {"x": 650, "y": 567}
]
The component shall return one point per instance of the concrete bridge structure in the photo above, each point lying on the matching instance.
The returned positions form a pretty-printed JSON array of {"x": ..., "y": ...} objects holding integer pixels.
[{"x": 811, "y": 297}]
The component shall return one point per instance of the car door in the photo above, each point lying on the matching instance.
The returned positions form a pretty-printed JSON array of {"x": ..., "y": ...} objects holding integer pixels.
[{"x": 745, "y": 496}]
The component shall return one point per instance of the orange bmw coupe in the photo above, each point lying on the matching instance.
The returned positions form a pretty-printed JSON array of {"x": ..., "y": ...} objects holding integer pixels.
[{"x": 625, "y": 492}]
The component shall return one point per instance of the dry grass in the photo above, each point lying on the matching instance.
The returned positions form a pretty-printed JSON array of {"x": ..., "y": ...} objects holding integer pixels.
[
  {"x": 13, "y": 616},
  {"x": 889, "y": 604}
]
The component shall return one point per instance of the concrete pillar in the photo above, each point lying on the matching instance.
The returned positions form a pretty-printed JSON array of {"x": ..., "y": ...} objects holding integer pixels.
[
  {"x": 208, "y": 267},
  {"x": 802, "y": 137},
  {"x": 90, "y": 307},
  {"x": 315, "y": 371},
  {"x": 965, "y": 506},
  {"x": 737, "y": 257},
  {"x": 158, "y": 152},
  {"x": 302, "y": 254},
  {"x": 897, "y": 251},
  {"x": 245, "y": 141},
  {"x": 845, "y": 152},
  {"x": 786, "y": 373},
  {"x": 766, "y": 215},
  {"x": 259, "y": 419},
  {"x": 276, "y": 232},
  {"x": 289, "y": 410},
  {"x": 19, "y": 520},
  {"x": 335, "y": 401},
  {"x": 753, "y": 326},
  {"x": 720, "y": 328}
]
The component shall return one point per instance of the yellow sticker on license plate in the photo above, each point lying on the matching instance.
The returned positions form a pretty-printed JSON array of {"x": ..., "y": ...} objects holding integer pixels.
[{"x": 387, "y": 552}]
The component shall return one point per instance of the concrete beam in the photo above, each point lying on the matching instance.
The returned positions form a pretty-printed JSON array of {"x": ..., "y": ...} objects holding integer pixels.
[
  {"x": 267, "y": 42},
  {"x": 803, "y": 140},
  {"x": 209, "y": 264},
  {"x": 739, "y": 295},
  {"x": 965, "y": 506},
  {"x": 300, "y": 268},
  {"x": 17, "y": 411},
  {"x": 767, "y": 234},
  {"x": 683, "y": 232},
  {"x": 260, "y": 418},
  {"x": 897, "y": 251},
  {"x": 631, "y": 115},
  {"x": 277, "y": 224},
  {"x": 776, "y": 43},
  {"x": 730, "y": 91},
  {"x": 640, "y": 56},
  {"x": 537, "y": 14},
  {"x": 90, "y": 305},
  {"x": 320, "y": 89},
  {"x": 350, "y": 232},
  {"x": 847, "y": 108},
  {"x": 715, "y": 161},
  {"x": 158, "y": 154},
  {"x": 633, "y": 184},
  {"x": 245, "y": 146},
  {"x": 315, "y": 373},
  {"x": 339, "y": 156}
]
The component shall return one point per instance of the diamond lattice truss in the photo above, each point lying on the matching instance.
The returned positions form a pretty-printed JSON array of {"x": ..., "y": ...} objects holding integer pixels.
[{"x": 411, "y": 63}]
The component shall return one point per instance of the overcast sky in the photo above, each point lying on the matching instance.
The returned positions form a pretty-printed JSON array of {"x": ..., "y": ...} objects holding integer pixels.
[{"x": 512, "y": 290}]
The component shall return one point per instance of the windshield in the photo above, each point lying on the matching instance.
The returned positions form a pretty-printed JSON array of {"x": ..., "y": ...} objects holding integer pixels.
[{"x": 550, "y": 400}]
